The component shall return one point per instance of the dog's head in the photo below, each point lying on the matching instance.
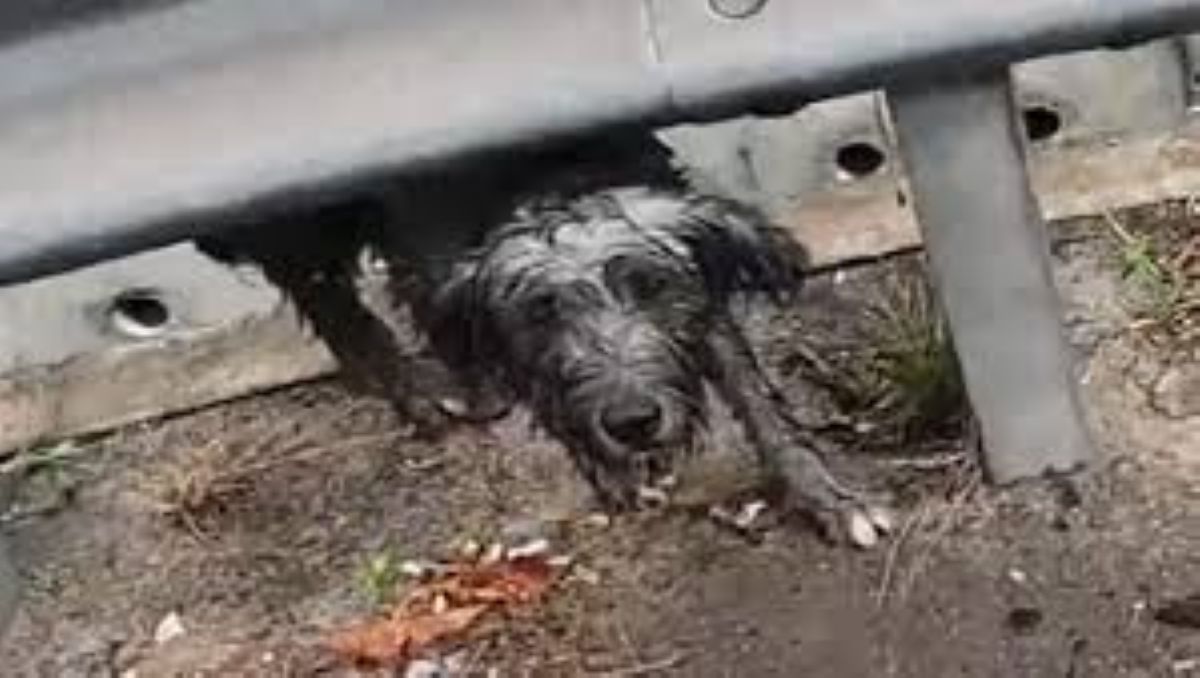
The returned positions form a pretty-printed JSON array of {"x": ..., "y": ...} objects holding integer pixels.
[{"x": 595, "y": 310}]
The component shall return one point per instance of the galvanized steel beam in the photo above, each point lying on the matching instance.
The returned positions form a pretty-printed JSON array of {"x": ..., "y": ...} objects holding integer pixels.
[
  {"x": 963, "y": 149},
  {"x": 119, "y": 136}
]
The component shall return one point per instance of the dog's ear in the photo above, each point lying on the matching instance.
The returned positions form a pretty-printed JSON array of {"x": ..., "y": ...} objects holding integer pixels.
[{"x": 739, "y": 251}]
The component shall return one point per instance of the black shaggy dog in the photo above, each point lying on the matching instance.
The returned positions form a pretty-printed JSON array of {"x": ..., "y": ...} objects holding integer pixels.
[{"x": 586, "y": 280}]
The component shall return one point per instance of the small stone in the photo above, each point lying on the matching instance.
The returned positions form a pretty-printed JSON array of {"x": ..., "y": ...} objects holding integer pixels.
[
  {"x": 1177, "y": 392},
  {"x": 424, "y": 668},
  {"x": 1181, "y": 613},
  {"x": 170, "y": 628},
  {"x": 560, "y": 561},
  {"x": 494, "y": 554},
  {"x": 530, "y": 549},
  {"x": 440, "y": 604},
  {"x": 470, "y": 549},
  {"x": 1017, "y": 576},
  {"x": 416, "y": 569},
  {"x": 1185, "y": 665},
  {"x": 599, "y": 521},
  {"x": 444, "y": 667},
  {"x": 1023, "y": 620},
  {"x": 586, "y": 575},
  {"x": 530, "y": 528}
]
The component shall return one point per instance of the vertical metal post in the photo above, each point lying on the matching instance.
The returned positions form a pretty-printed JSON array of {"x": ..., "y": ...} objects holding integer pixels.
[
  {"x": 962, "y": 146},
  {"x": 9, "y": 588}
]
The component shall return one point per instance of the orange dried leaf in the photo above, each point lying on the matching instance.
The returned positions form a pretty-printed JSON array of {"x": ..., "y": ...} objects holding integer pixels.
[
  {"x": 396, "y": 639},
  {"x": 466, "y": 592},
  {"x": 507, "y": 582}
]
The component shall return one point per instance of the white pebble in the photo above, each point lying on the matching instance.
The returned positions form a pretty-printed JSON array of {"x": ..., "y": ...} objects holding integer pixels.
[
  {"x": 531, "y": 548},
  {"x": 494, "y": 554},
  {"x": 440, "y": 604},
  {"x": 415, "y": 569},
  {"x": 170, "y": 628},
  {"x": 1185, "y": 665},
  {"x": 560, "y": 561},
  {"x": 598, "y": 520}
]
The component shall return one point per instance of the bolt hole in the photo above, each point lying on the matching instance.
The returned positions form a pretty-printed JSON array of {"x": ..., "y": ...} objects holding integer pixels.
[
  {"x": 139, "y": 314},
  {"x": 1042, "y": 123},
  {"x": 859, "y": 159},
  {"x": 737, "y": 9}
]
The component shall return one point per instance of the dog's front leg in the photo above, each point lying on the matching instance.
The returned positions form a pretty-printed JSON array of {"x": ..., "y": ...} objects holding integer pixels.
[
  {"x": 360, "y": 342},
  {"x": 788, "y": 460}
]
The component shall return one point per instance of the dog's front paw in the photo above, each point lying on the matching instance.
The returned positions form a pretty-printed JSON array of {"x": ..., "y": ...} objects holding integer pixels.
[
  {"x": 842, "y": 514},
  {"x": 427, "y": 416},
  {"x": 862, "y": 524},
  {"x": 478, "y": 407}
]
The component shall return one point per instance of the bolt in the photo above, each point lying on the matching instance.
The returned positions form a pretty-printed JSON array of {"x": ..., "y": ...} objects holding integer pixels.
[{"x": 737, "y": 9}]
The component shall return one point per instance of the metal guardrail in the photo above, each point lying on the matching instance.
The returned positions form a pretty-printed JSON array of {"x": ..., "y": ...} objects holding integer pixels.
[{"x": 112, "y": 136}]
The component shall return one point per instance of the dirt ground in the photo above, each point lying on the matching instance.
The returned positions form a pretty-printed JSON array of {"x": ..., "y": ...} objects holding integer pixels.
[{"x": 247, "y": 527}]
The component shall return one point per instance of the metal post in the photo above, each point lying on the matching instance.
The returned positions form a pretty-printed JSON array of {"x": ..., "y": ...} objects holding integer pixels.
[
  {"x": 963, "y": 150},
  {"x": 9, "y": 588}
]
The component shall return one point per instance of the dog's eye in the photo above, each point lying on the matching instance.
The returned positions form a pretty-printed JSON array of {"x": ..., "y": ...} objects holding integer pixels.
[
  {"x": 647, "y": 285},
  {"x": 541, "y": 309}
]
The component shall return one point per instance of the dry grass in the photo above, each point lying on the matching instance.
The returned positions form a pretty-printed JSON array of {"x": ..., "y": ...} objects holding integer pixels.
[
  {"x": 200, "y": 483},
  {"x": 926, "y": 527},
  {"x": 900, "y": 373},
  {"x": 1161, "y": 277},
  {"x": 204, "y": 482}
]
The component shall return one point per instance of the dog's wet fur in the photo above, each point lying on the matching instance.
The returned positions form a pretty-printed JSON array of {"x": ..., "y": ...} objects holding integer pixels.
[{"x": 588, "y": 281}]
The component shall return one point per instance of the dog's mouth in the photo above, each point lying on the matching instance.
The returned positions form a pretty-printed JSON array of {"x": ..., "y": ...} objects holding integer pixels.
[
  {"x": 628, "y": 444},
  {"x": 628, "y": 477}
]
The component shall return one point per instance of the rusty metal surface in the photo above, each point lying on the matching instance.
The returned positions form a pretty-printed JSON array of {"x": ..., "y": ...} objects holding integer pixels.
[{"x": 118, "y": 138}]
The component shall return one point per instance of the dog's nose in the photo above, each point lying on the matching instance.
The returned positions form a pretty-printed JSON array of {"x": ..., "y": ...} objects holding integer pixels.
[{"x": 634, "y": 421}]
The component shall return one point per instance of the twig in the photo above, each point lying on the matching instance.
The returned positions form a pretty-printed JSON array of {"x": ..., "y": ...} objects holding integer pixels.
[
  {"x": 947, "y": 521},
  {"x": 1118, "y": 228},
  {"x": 670, "y": 661},
  {"x": 22, "y": 462},
  {"x": 893, "y": 556},
  {"x": 927, "y": 463},
  {"x": 311, "y": 451}
]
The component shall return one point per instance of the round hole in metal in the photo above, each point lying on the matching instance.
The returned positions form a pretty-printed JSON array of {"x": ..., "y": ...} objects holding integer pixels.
[
  {"x": 139, "y": 314},
  {"x": 737, "y": 9},
  {"x": 1042, "y": 123},
  {"x": 859, "y": 159}
]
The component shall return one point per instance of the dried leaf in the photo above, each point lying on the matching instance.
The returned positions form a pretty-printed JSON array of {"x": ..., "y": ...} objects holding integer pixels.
[
  {"x": 395, "y": 640},
  {"x": 443, "y": 608}
]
